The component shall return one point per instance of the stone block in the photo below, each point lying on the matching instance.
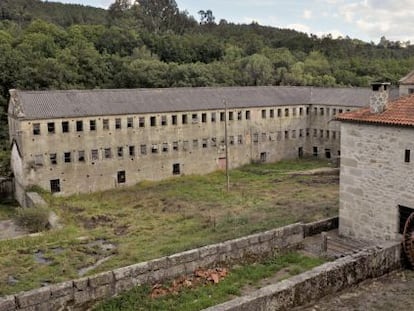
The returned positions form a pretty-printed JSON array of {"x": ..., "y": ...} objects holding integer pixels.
[
  {"x": 33, "y": 297},
  {"x": 253, "y": 239},
  {"x": 122, "y": 273},
  {"x": 241, "y": 243},
  {"x": 7, "y": 303},
  {"x": 138, "y": 269},
  {"x": 157, "y": 276},
  {"x": 104, "y": 291},
  {"x": 175, "y": 271},
  {"x": 184, "y": 257},
  {"x": 101, "y": 279},
  {"x": 83, "y": 296},
  {"x": 141, "y": 279},
  {"x": 267, "y": 236},
  {"x": 224, "y": 248},
  {"x": 207, "y": 250},
  {"x": 61, "y": 289},
  {"x": 190, "y": 267},
  {"x": 123, "y": 285},
  {"x": 159, "y": 263},
  {"x": 81, "y": 284}
]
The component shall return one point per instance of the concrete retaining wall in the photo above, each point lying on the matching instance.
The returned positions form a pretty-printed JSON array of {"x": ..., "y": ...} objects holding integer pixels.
[
  {"x": 320, "y": 281},
  {"x": 78, "y": 294}
]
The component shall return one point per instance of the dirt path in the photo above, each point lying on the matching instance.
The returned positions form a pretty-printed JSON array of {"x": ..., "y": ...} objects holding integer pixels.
[
  {"x": 9, "y": 230},
  {"x": 388, "y": 293}
]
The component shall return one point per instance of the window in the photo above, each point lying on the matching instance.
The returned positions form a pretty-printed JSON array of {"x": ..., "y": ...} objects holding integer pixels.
[
  {"x": 213, "y": 142},
  {"x": 92, "y": 125},
  {"x": 272, "y": 113},
  {"x": 165, "y": 147},
  {"x": 131, "y": 150},
  {"x": 231, "y": 115},
  {"x": 184, "y": 119},
  {"x": 204, "y": 117},
  {"x": 327, "y": 134},
  {"x": 94, "y": 154},
  {"x": 195, "y": 143},
  {"x": 38, "y": 160},
  {"x": 153, "y": 121},
  {"x": 315, "y": 151},
  {"x": 322, "y": 111},
  {"x": 51, "y": 127},
  {"x": 79, "y": 126},
  {"x": 55, "y": 185},
  {"x": 300, "y": 133},
  {"x": 120, "y": 152},
  {"x": 231, "y": 140},
  {"x": 407, "y": 156},
  {"x": 36, "y": 128},
  {"x": 205, "y": 143},
  {"x": 315, "y": 133},
  {"x": 141, "y": 122},
  {"x": 222, "y": 117},
  {"x": 194, "y": 118},
  {"x": 174, "y": 119},
  {"x": 53, "y": 158},
  {"x": 286, "y": 112},
  {"x": 279, "y": 135},
  {"x": 143, "y": 149},
  {"x": 333, "y": 134},
  {"x": 65, "y": 127},
  {"x": 300, "y": 111},
  {"x": 334, "y": 111},
  {"x": 118, "y": 124},
  {"x": 213, "y": 117},
  {"x": 264, "y": 137},
  {"x": 255, "y": 138},
  {"x": 240, "y": 139},
  {"x": 279, "y": 112},
  {"x": 239, "y": 115},
  {"x": 340, "y": 110},
  {"x": 327, "y": 111},
  {"x": 176, "y": 169},
  {"x": 293, "y": 133},
  {"x": 154, "y": 148},
  {"x": 163, "y": 120},
  {"x": 81, "y": 156},
  {"x": 175, "y": 145},
  {"x": 328, "y": 153},
  {"x": 130, "y": 122},
  {"x": 247, "y": 114},
  {"x": 107, "y": 153},
  {"x": 321, "y": 133},
  {"x": 263, "y": 113},
  {"x": 307, "y": 111},
  {"x": 286, "y": 134},
  {"x": 300, "y": 152},
  {"x": 263, "y": 157},
  {"x": 105, "y": 124},
  {"x": 121, "y": 177},
  {"x": 294, "y": 112},
  {"x": 307, "y": 132},
  {"x": 67, "y": 157}
]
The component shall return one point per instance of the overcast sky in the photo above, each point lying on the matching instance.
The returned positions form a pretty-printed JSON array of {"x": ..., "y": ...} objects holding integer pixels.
[{"x": 367, "y": 20}]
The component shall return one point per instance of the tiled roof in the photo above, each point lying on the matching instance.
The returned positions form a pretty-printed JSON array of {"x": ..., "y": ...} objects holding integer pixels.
[
  {"x": 399, "y": 112},
  {"x": 79, "y": 103},
  {"x": 408, "y": 79}
]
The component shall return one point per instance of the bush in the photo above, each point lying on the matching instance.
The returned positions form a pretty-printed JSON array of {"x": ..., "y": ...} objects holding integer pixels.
[{"x": 33, "y": 219}]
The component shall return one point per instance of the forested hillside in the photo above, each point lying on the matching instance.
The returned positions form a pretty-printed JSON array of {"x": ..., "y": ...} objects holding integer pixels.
[{"x": 46, "y": 45}]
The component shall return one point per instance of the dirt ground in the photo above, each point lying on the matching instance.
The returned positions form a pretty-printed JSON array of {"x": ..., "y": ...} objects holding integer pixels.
[{"x": 388, "y": 293}]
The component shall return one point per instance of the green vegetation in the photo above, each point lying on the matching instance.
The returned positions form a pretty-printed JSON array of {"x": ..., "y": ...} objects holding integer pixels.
[
  {"x": 33, "y": 219},
  {"x": 153, "y": 219},
  {"x": 205, "y": 296}
]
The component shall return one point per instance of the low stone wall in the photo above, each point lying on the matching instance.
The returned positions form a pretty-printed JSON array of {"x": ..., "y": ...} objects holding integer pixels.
[
  {"x": 6, "y": 187},
  {"x": 317, "y": 227},
  {"x": 320, "y": 281},
  {"x": 78, "y": 294}
]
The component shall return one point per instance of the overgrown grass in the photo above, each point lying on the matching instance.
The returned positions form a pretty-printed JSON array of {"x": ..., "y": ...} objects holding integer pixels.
[
  {"x": 208, "y": 295},
  {"x": 154, "y": 219}
]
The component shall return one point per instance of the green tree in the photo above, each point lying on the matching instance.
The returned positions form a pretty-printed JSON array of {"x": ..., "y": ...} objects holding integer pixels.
[{"x": 257, "y": 70}]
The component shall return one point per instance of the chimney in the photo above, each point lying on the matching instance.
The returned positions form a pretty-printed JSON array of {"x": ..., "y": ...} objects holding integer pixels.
[{"x": 379, "y": 97}]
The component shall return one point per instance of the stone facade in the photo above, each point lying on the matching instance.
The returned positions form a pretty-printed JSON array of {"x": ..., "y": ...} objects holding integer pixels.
[
  {"x": 91, "y": 153},
  {"x": 375, "y": 179}
]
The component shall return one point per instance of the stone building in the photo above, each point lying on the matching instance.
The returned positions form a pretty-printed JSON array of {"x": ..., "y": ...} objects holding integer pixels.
[
  {"x": 83, "y": 141},
  {"x": 377, "y": 169}
]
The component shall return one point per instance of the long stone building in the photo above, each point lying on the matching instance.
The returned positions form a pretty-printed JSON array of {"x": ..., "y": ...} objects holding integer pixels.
[{"x": 84, "y": 141}]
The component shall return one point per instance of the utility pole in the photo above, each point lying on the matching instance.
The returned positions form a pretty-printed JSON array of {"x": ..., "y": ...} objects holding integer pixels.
[{"x": 227, "y": 146}]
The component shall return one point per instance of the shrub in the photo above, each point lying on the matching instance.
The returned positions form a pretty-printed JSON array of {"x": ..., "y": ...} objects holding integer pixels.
[{"x": 33, "y": 219}]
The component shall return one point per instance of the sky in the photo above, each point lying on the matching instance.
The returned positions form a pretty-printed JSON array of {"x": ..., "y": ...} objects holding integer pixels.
[{"x": 367, "y": 20}]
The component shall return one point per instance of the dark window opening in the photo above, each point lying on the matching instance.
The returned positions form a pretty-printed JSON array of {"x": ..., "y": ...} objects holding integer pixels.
[
  {"x": 184, "y": 119},
  {"x": 118, "y": 123},
  {"x": 194, "y": 118},
  {"x": 328, "y": 153},
  {"x": 231, "y": 117},
  {"x": 81, "y": 156},
  {"x": 176, "y": 169},
  {"x": 300, "y": 111},
  {"x": 300, "y": 152},
  {"x": 175, "y": 145},
  {"x": 272, "y": 113},
  {"x": 53, "y": 158},
  {"x": 247, "y": 114},
  {"x": 407, "y": 156},
  {"x": 67, "y": 157},
  {"x": 222, "y": 116},
  {"x": 165, "y": 147},
  {"x": 36, "y": 128},
  {"x": 92, "y": 125},
  {"x": 65, "y": 126},
  {"x": 174, "y": 119},
  {"x": 130, "y": 122},
  {"x": 51, "y": 127},
  {"x": 163, "y": 120},
  {"x": 286, "y": 112},
  {"x": 404, "y": 212},
  {"x": 55, "y": 185},
  {"x": 231, "y": 140},
  {"x": 315, "y": 151},
  {"x": 279, "y": 112},
  {"x": 204, "y": 117},
  {"x": 79, "y": 126},
  {"x": 263, "y": 156},
  {"x": 213, "y": 117},
  {"x": 286, "y": 134},
  {"x": 131, "y": 151},
  {"x": 141, "y": 122},
  {"x": 255, "y": 138},
  {"x": 154, "y": 149},
  {"x": 120, "y": 152},
  {"x": 263, "y": 113},
  {"x": 205, "y": 142},
  {"x": 105, "y": 124},
  {"x": 153, "y": 121},
  {"x": 107, "y": 153},
  {"x": 239, "y": 115},
  {"x": 121, "y": 176}
]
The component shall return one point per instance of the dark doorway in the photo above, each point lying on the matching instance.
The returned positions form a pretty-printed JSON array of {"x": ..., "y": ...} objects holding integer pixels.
[
  {"x": 405, "y": 212},
  {"x": 263, "y": 157},
  {"x": 315, "y": 151},
  {"x": 328, "y": 153},
  {"x": 121, "y": 177},
  {"x": 55, "y": 185},
  {"x": 300, "y": 152},
  {"x": 176, "y": 169}
]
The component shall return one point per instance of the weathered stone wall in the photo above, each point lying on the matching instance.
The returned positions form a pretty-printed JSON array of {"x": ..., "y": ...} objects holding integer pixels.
[
  {"x": 320, "y": 281},
  {"x": 33, "y": 200},
  {"x": 6, "y": 187},
  {"x": 374, "y": 180},
  {"x": 83, "y": 292}
]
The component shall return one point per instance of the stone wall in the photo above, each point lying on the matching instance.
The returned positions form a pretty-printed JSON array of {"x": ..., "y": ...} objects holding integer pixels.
[
  {"x": 374, "y": 180},
  {"x": 320, "y": 281},
  {"x": 78, "y": 294},
  {"x": 6, "y": 187}
]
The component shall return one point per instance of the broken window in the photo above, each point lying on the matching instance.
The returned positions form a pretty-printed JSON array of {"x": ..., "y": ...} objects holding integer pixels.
[
  {"x": 407, "y": 155},
  {"x": 131, "y": 151},
  {"x": 272, "y": 113},
  {"x": 231, "y": 140},
  {"x": 231, "y": 115},
  {"x": 240, "y": 139},
  {"x": 239, "y": 115},
  {"x": 51, "y": 127},
  {"x": 328, "y": 153},
  {"x": 300, "y": 133},
  {"x": 194, "y": 118},
  {"x": 174, "y": 119},
  {"x": 263, "y": 157},
  {"x": 67, "y": 157},
  {"x": 143, "y": 149},
  {"x": 204, "y": 117},
  {"x": 53, "y": 158},
  {"x": 263, "y": 113},
  {"x": 94, "y": 154},
  {"x": 81, "y": 156},
  {"x": 184, "y": 119},
  {"x": 213, "y": 117},
  {"x": 165, "y": 147},
  {"x": 92, "y": 125},
  {"x": 286, "y": 112},
  {"x": 130, "y": 122},
  {"x": 118, "y": 123},
  {"x": 176, "y": 169},
  {"x": 38, "y": 160},
  {"x": 65, "y": 126},
  {"x": 79, "y": 126},
  {"x": 307, "y": 132},
  {"x": 286, "y": 134},
  {"x": 175, "y": 145},
  {"x": 154, "y": 148},
  {"x": 55, "y": 185},
  {"x": 213, "y": 142},
  {"x": 107, "y": 153},
  {"x": 222, "y": 117},
  {"x": 315, "y": 151},
  {"x": 120, "y": 152},
  {"x": 205, "y": 143},
  {"x": 279, "y": 112},
  {"x": 307, "y": 110},
  {"x": 247, "y": 114},
  {"x": 256, "y": 138},
  {"x": 121, "y": 177},
  {"x": 163, "y": 120},
  {"x": 36, "y": 128},
  {"x": 153, "y": 121},
  {"x": 340, "y": 110},
  {"x": 105, "y": 124},
  {"x": 300, "y": 152},
  {"x": 141, "y": 122}
]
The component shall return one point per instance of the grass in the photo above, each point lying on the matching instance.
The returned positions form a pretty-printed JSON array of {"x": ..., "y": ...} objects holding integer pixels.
[
  {"x": 202, "y": 297},
  {"x": 154, "y": 219}
]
